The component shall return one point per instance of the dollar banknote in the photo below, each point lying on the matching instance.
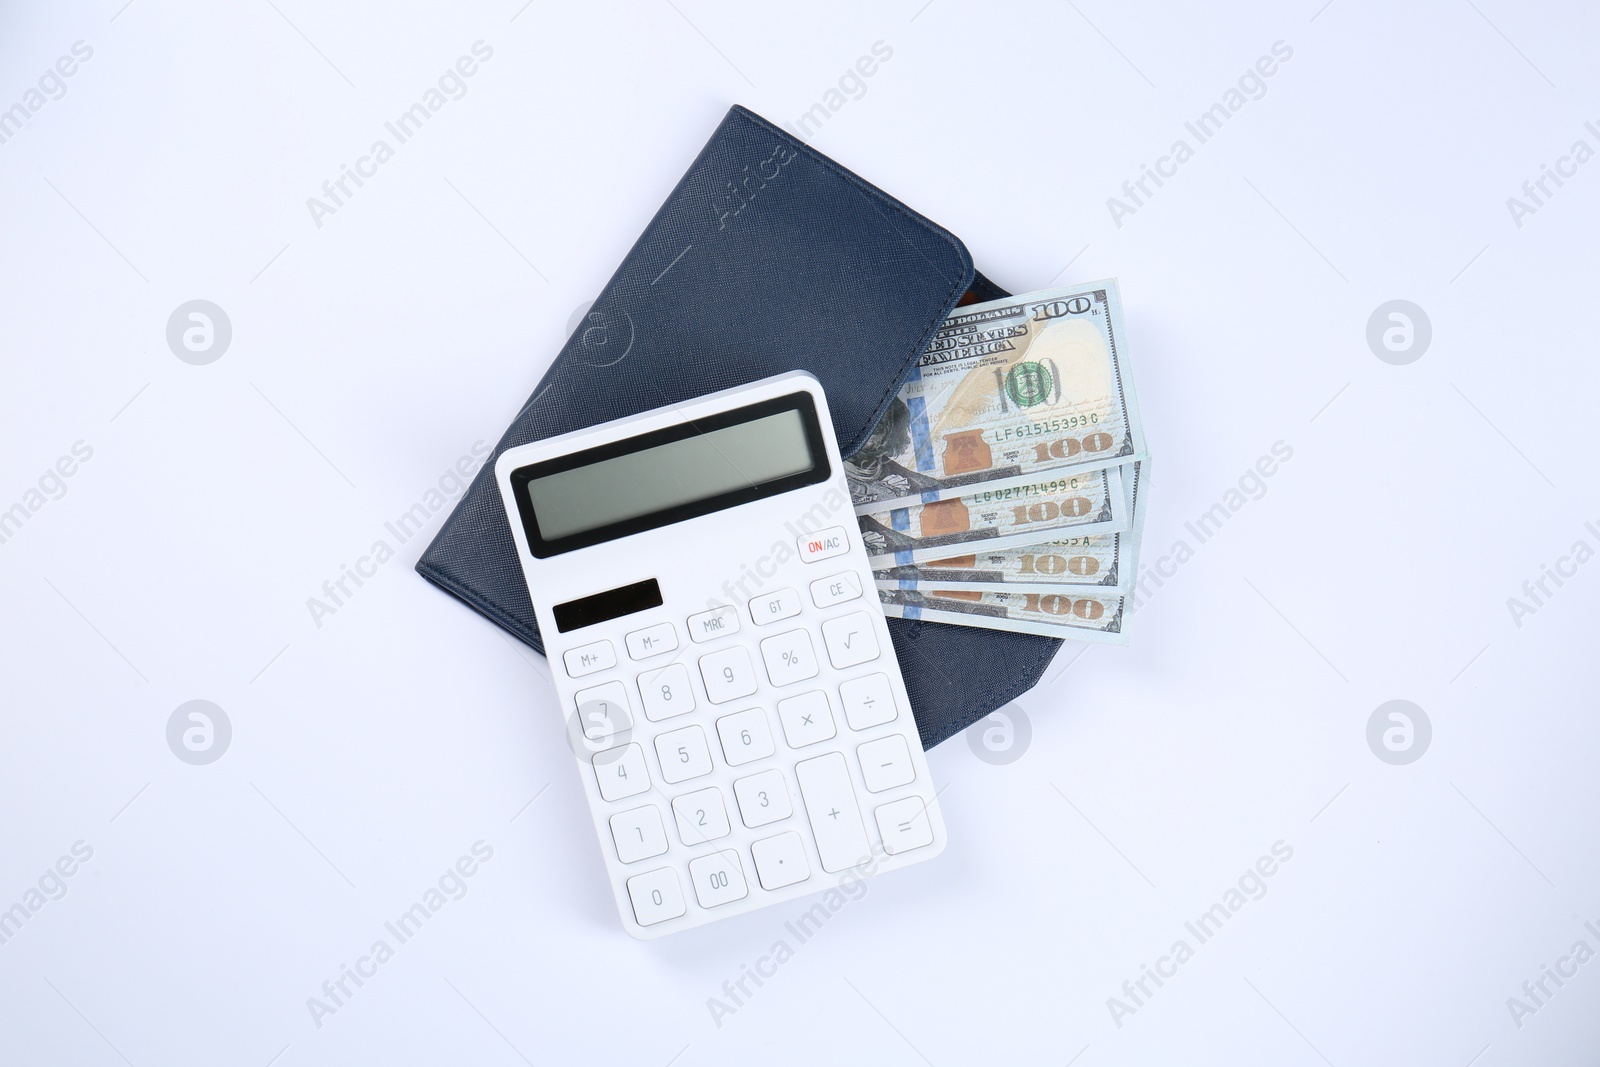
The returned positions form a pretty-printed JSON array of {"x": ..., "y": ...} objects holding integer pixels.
[
  {"x": 1085, "y": 564},
  {"x": 1007, "y": 390},
  {"x": 1105, "y": 565},
  {"x": 1082, "y": 502},
  {"x": 1077, "y": 616}
]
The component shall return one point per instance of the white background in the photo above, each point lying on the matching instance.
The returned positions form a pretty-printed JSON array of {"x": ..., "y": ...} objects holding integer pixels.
[{"x": 370, "y": 353}]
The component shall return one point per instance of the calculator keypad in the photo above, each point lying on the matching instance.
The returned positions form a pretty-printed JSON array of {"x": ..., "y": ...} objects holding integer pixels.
[{"x": 764, "y": 755}]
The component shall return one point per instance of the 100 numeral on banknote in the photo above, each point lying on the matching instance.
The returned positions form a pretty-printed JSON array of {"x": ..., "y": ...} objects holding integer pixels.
[{"x": 1007, "y": 390}]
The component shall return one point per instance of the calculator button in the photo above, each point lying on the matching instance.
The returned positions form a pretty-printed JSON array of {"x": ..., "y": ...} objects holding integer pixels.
[
  {"x": 621, "y": 772},
  {"x": 745, "y": 736},
  {"x": 830, "y": 799},
  {"x": 683, "y": 754},
  {"x": 666, "y": 692},
  {"x": 904, "y": 825},
  {"x": 763, "y": 798},
  {"x": 850, "y": 639},
  {"x": 603, "y": 710},
  {"x": 652, "y": 641},
  {"x": 781, "y": 861},
  {"x": 886, "y": 763},
  {"x": 586, "y": 659},
  {"x": 728, "y": 674},
  {"x": 823, "y": 544},
  {"x": 773, "y": 607},
  {"x": 789, "y": 657},
  {"x": 710, "y": 625},
  {"x": 806, "y": 718},
  {"x": 718, "y": 879},
  {"x": 868, "y": 701},
  {"x": 657, "y": 896},
  {"x": 638, "y": 833},
  {"x": 702, "y": 816},
  {"x": 826, "y": 592}
]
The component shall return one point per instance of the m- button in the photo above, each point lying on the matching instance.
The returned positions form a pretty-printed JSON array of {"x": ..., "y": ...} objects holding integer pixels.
[{"x": 823, "y": 544}]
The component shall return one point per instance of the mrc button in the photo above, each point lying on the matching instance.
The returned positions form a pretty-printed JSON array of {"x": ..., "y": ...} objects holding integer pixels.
[{"x": 822, "y": 544}]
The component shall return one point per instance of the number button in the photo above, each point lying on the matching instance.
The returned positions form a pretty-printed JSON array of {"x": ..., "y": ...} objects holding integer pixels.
[
  {"x": 718, "y": 879},
  {"x": 666, "y": 692},
  {"x": 638, "y": 834},
  {"x": 790, "y": 657},
  {"x": 683, "y": 754},
  {"x": 850, "y": 639},
  {"x": 823, "y": 544},
  {"x": 904, "y": 825},
  {"x": 763, "y": 798},
  {"x": 657, "y": 896},
  {"x": 710, "y": 625},
  {"x": 826, "y": 592},
  {"x": 603, "y": 710},
  {"x": 773, "y": 607},
  {"x": 652, "y": 641},
  {"x": 702, "y": 816},
  {"x": 728, "y": 675},
  {"x": 868, "y": 701},
  {"x": 586, "y": 659},
  {"x": 621, "y": 772},
  {"x": 886, "y": 763},
  {"x": 745, "y": 736},
  {"x": 806, "y": 718},
  {"x": 781, "y": 861}
]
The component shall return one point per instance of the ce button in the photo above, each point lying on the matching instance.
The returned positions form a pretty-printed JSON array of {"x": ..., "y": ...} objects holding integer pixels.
[{"x": 826, "y": 592}]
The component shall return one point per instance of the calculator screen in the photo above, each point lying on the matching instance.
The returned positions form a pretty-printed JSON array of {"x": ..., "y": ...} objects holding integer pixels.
[{"x": 672, "y": 474}]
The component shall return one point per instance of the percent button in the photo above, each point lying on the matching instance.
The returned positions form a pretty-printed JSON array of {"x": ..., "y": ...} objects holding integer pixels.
[{"x": 790, "y": 657}]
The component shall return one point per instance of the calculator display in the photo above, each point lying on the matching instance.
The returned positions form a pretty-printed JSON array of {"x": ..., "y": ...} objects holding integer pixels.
[{"x": 672, "y": 474}]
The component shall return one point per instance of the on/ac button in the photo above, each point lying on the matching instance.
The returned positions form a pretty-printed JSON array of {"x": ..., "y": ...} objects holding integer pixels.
[{"x": 822, "y": 544}]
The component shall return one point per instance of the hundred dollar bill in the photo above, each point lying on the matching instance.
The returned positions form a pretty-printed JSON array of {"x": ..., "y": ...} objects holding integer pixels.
[
  {"x": 1007, "y": 390},
  {"x": 1084, "y": 564},
  {"x": 1083, "y": 502},
  {"x": 1103, "y": 565},
  {"x": 1077, "y": 617}
]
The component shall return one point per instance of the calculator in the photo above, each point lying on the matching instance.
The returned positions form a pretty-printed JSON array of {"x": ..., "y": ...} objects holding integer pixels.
[{"x": 741, "y": 728}]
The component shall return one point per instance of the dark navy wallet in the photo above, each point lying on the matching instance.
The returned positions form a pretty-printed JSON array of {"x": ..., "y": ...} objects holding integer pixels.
[{"x": 766, "y": 257}]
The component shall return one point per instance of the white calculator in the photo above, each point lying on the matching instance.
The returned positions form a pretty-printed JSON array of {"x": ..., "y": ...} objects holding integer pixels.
[{"x": 741, "y": 727}]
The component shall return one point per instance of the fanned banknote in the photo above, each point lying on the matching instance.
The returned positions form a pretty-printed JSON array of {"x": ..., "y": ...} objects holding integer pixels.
[
  {"x": 1080, "y": 616},
  {"x": 1007, "y": 390},
  {"x": 1082, "y": 502},
  {"x": 1104, "y": 565}
]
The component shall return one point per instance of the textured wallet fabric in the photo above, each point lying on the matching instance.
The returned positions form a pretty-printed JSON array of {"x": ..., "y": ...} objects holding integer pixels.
[{"x": 767, "y": 257}]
